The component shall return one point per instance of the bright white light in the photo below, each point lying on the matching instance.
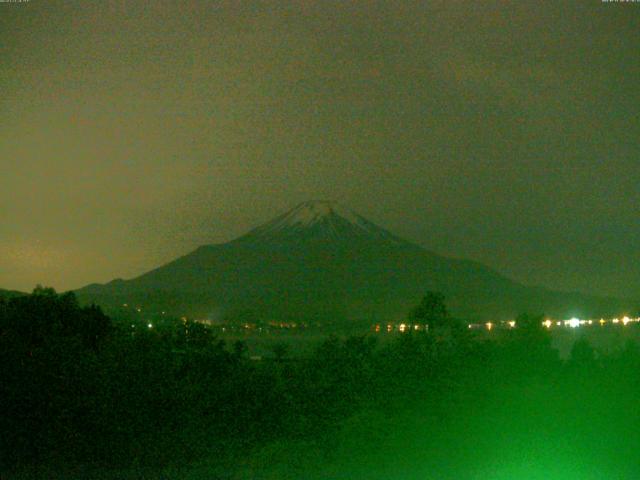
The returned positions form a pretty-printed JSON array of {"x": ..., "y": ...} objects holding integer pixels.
[
  {"x": 547, "y": 323},
  {"x": 558, "y": 323},
  {"x": 615, "y": 320},
  {"x": 512, "y": 323},
  {"x": 150, "y": 325},
  {"x": 489, "y": 325},
  {"x": 626, "y": 320},
  {"x": 574, "y": 322}
]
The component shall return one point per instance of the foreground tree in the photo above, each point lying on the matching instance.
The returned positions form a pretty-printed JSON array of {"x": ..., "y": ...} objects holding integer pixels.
[{"x": 432, "y": 311}]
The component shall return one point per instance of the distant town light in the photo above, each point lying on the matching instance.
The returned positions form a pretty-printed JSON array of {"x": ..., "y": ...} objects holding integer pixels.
[
  {"x": 150, "y": 325},
  {"x": 574, "y": 322},
  {"x": 489, "y": 325},
  {"x": 547, "y": 323},
  {"x": 625, "y": 320},
  {"x": 615, "y": 320},
  {"x": 602, "y": 321},
  {"x": 512, "y": 324}
]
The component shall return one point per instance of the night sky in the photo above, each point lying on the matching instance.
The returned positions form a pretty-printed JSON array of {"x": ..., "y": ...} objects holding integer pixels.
[{"x": 133, "y": 132}]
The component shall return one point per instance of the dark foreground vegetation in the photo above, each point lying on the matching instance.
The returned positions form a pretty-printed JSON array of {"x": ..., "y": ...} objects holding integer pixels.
[{"x": 84, "y": 397}]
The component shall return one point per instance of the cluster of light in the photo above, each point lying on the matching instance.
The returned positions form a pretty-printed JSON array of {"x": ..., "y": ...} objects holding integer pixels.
[
  {"x": 576, "y": 322},
  {"x": 402, "y": 327},
  {"x": 548, "y": 323}
]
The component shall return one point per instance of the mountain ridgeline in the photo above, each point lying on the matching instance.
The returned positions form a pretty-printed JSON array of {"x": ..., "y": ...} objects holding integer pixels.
[
  {"x": 322, "y": 263},
  {"x": 7, "y": 294}
]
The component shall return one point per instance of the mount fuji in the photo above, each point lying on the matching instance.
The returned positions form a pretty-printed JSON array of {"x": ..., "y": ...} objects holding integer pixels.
[{"x": 321, "y": 262}]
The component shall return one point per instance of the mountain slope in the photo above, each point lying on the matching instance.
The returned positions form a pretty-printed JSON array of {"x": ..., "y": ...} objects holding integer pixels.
[
  {"x": 321, "y": 262},
  {"x": 10, "y": 293}
]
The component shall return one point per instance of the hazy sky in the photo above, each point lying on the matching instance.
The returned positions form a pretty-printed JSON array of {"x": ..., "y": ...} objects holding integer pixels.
[{"x": 508, "y": 133}]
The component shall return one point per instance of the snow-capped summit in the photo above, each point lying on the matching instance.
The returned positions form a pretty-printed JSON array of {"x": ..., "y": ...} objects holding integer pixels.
[
  {"x": 321, "y": 219},
  {"x": 313, "y": 211}
]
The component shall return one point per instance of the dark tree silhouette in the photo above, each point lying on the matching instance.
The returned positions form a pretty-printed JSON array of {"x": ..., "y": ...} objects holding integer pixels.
[
  {"x": 280, "y": 351},
  {"x": 432, "y": 311},
  {"x": 79, "y": 394},
  {"x": 530, "y": 329}
]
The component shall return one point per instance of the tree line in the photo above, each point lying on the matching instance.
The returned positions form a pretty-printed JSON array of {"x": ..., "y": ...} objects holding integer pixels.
[{"x": 84, "y": 395}]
